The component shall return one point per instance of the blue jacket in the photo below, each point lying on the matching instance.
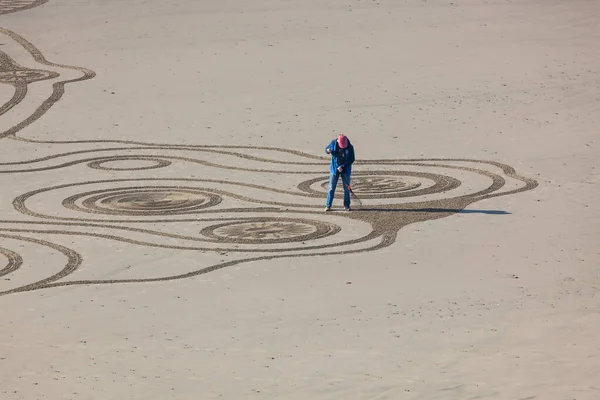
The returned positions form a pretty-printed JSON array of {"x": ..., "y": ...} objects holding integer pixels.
[{"x": 340, "y": 157}]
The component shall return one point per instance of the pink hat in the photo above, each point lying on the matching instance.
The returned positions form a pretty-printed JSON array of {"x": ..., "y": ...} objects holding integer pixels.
[{"x": 342, "y": 141}]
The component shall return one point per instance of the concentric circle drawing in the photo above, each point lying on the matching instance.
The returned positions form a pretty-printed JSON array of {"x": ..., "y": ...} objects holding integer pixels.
[
  {"x": 383, "y": 185},
  {"x": 127, "y": 163},
  {"x": 140, "y": 201},
  {"x": 380, "y": 185},
  {"x": 386, "y": 184},
  {"x": 263, "y": 231}
]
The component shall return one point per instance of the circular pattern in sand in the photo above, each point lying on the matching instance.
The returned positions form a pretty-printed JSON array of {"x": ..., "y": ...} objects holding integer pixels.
[
  {"x": 263, "y": 231},
  {"x": 380, "y": 185},
  {"x": 386, "y": 184},
  {"x": 129, "y": 163},
  {"x": 141, "y": 201}
]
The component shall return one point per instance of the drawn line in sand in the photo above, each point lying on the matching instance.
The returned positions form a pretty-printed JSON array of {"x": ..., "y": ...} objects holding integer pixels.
[
  {"x": 73, "y": 262},
  {"x": 195, "y": 199},
  {"x": 14, "y": 261},
  {"x": 246, "y": 218},
  {"x": 12, "y": 6},
  {"x": 18, "y": 76}
]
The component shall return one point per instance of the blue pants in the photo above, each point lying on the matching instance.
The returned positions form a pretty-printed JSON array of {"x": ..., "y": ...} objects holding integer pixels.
[{"x": 333, "y": 181}]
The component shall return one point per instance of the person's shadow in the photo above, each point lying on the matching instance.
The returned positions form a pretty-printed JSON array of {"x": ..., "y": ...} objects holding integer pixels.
[{"x": 435, "y": 210}]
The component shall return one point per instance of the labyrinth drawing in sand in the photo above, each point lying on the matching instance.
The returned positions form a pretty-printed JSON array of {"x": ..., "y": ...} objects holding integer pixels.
[{"x": 220, "y": 205}]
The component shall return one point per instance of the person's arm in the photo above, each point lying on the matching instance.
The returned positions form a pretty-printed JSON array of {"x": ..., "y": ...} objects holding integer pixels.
[{"x": 329, "y": 148}]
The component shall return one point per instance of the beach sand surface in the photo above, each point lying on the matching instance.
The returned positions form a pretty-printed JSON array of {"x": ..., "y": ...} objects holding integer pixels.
[{"x": 160, "y": 238}]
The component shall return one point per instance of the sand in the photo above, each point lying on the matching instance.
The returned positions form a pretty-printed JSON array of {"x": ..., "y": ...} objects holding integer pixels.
[{"x": 162, "y": 233}]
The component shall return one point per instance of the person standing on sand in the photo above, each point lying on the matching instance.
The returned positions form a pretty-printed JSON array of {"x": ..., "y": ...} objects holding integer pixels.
[{"x": 342, "y": 157}]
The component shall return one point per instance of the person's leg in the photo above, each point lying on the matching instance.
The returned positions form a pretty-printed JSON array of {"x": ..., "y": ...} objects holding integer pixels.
[
  {"x": 333, "y": 180},
  {"x": 346, "y": 181}
]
